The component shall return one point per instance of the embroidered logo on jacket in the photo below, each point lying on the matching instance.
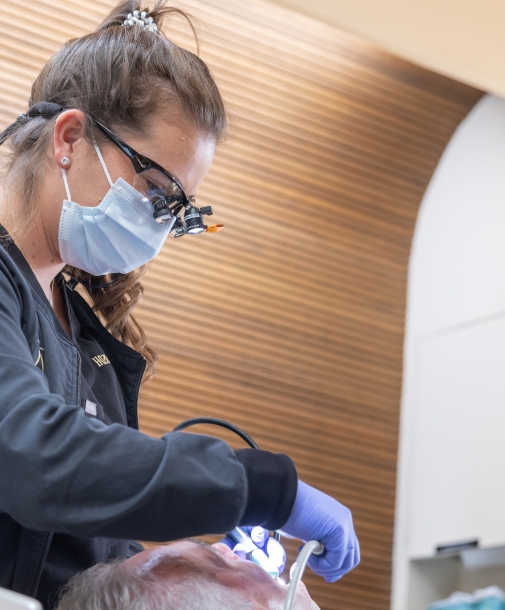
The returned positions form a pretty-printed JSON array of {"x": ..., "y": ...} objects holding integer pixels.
[
  {"x": 101, "y": 360},
  {"x": 40, "y": 360}
]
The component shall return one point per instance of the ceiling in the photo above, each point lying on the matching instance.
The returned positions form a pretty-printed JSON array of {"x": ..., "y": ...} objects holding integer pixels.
[{"x": 463, "y": 39}]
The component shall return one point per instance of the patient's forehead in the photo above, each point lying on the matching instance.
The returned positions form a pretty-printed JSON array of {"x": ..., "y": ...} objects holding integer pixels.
[
  {"x": 193, "y": 557},
  {"x": 219, "y": 564},
  {"x": 188, "y": 556},
  {"x": 188, "y": 549}
]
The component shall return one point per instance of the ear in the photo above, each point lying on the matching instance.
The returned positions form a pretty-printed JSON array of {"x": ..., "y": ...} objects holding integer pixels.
[{"x": 69, "y": 129}]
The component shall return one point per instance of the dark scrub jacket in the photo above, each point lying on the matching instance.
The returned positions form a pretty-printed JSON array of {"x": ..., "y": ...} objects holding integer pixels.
[{"x": 78, "y": 482}]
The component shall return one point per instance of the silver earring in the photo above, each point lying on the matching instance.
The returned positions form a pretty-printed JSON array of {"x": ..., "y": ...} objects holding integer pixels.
[{"x": 65, "y": 161}]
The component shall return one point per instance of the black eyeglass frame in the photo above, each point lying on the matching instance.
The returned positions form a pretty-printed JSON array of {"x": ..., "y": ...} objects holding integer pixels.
[{"x": 142, "y": 163}]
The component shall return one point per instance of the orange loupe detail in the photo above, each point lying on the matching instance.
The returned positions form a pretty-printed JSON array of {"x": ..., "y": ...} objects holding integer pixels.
[{"x": 214, "y": 228}]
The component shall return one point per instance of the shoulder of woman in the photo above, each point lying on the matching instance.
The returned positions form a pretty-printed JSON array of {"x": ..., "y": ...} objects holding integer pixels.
[
  {"x": 17, "y": 305},
  {"x": 11, "y": 279}
]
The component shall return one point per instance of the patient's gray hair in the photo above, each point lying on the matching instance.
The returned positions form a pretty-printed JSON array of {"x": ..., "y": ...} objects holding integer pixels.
[{"x": 114, "y": 586}]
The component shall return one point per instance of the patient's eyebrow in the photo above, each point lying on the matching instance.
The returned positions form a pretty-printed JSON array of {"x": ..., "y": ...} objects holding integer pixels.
[
  {"x": 215, "y": 556},
  {"x": 198, "y": 541}
]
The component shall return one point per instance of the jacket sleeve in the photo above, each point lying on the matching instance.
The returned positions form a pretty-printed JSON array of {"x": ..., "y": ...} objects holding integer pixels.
[{"x": 61, "y": 471}]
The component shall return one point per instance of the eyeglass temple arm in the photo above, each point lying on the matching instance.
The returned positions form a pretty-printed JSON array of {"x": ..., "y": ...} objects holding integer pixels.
[
  {"x": 132, "y": 154},
  {"x": 136, "y": 158}
]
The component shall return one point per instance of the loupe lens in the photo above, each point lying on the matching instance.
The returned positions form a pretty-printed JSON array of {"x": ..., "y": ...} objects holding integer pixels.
[
  {"x": 178, "y": 229},
  {"x": 161, "y": 212},
  {"x": 163, "y": 193}
]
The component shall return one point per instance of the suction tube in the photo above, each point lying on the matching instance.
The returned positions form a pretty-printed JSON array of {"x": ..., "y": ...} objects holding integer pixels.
[{"x": 312, "y": 547}]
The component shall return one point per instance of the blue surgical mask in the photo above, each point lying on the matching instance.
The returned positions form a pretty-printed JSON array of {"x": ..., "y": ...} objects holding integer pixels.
[{"x": 117, "y": 236}]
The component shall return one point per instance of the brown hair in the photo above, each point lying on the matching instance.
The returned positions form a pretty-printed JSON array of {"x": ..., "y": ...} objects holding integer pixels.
[{"x": 119, "y": 75}]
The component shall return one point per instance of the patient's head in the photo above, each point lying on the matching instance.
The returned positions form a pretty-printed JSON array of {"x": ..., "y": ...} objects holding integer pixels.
[{"x": 185, "y": 575}]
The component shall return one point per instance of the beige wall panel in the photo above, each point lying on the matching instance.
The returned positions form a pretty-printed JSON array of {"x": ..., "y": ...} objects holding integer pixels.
[
  {"x": 460, "y": 38},
  {"x": 290, "y": 322}
]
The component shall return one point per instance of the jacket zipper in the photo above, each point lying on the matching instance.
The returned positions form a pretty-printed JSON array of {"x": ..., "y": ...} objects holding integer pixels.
[
  {"x": 42, "y": 564},
  {"x": 137, "y": 391}
]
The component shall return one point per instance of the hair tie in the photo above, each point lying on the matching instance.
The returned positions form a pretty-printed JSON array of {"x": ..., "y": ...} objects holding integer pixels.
[
  {"x": 46, "y": 110},
  {"x": 142, "y": 20}
]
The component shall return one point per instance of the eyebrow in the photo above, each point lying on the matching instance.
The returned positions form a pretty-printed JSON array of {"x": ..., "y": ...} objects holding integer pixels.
[
  {"x": 215, "y": 556},
  {"x": 198, "y": 541}
]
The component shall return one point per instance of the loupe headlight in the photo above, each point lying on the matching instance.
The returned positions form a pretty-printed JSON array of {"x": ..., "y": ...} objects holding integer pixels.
[{"x": 191, "y": 221}]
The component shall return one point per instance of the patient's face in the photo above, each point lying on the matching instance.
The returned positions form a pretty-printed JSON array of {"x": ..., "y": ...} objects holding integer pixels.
[{"x": 219, "y": 564}]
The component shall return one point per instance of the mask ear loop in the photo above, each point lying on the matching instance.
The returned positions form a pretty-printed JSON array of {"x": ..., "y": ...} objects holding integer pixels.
[
  {"x": 104, "y": 167},
  {"x": 102, "y": 163},
  {"x": 65, "y": 182}
]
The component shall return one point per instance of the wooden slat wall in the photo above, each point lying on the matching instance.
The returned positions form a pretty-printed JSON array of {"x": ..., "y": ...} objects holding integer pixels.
[{"x": 289, "y": 323}]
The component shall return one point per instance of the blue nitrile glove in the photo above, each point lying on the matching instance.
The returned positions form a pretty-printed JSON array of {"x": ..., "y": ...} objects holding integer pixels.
[
  {"x": 316, "y": 516},
  {"x": 229, "y": 542},
  {"x": 259, "y": 535},
  {"x": 273, "y": 549},
  {"x": 276, "y": 553}
]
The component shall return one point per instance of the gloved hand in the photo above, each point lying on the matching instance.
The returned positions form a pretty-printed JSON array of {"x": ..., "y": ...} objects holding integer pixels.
[
  {"x": 316, "y": 516},
  {"x": 259, "y": 535},
  {"x": 273, "y": 549},
  {"x": 276, "y": 553},
  {"x": 229, "y": 543}
]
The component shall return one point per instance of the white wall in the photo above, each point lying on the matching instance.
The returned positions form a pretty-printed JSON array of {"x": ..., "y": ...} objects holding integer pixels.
[
  {"x": 456, "y": 298},
  {"x": 457, "y": 265}
]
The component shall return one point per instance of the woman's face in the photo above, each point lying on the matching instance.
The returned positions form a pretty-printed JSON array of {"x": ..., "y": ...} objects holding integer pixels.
[{"x": 176, "y": 144}]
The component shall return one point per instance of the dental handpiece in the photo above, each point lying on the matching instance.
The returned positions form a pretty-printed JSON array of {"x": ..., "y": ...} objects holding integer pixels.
[
  {"x": 313, "y": 547},
  {"x": 253, "y": 553}
]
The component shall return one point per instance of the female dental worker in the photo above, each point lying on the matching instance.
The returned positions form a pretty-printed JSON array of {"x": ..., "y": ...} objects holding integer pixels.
[{"x": 83, "y": 212}]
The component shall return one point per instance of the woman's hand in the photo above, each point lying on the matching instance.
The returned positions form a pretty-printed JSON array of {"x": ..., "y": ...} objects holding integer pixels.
[{"x": 316, "y": 516}]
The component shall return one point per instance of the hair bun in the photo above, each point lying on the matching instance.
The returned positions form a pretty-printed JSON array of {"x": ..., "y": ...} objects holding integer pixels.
[
  {"x": 141, "y": 19},
  {"x": 132, "y": 12}
]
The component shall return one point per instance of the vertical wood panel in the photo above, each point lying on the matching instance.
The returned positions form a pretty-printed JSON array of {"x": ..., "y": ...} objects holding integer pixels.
[{"x": 289, "y": 323}]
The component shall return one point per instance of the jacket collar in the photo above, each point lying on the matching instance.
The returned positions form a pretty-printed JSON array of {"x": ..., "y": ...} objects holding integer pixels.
[{"x": 15, "y": 253}]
